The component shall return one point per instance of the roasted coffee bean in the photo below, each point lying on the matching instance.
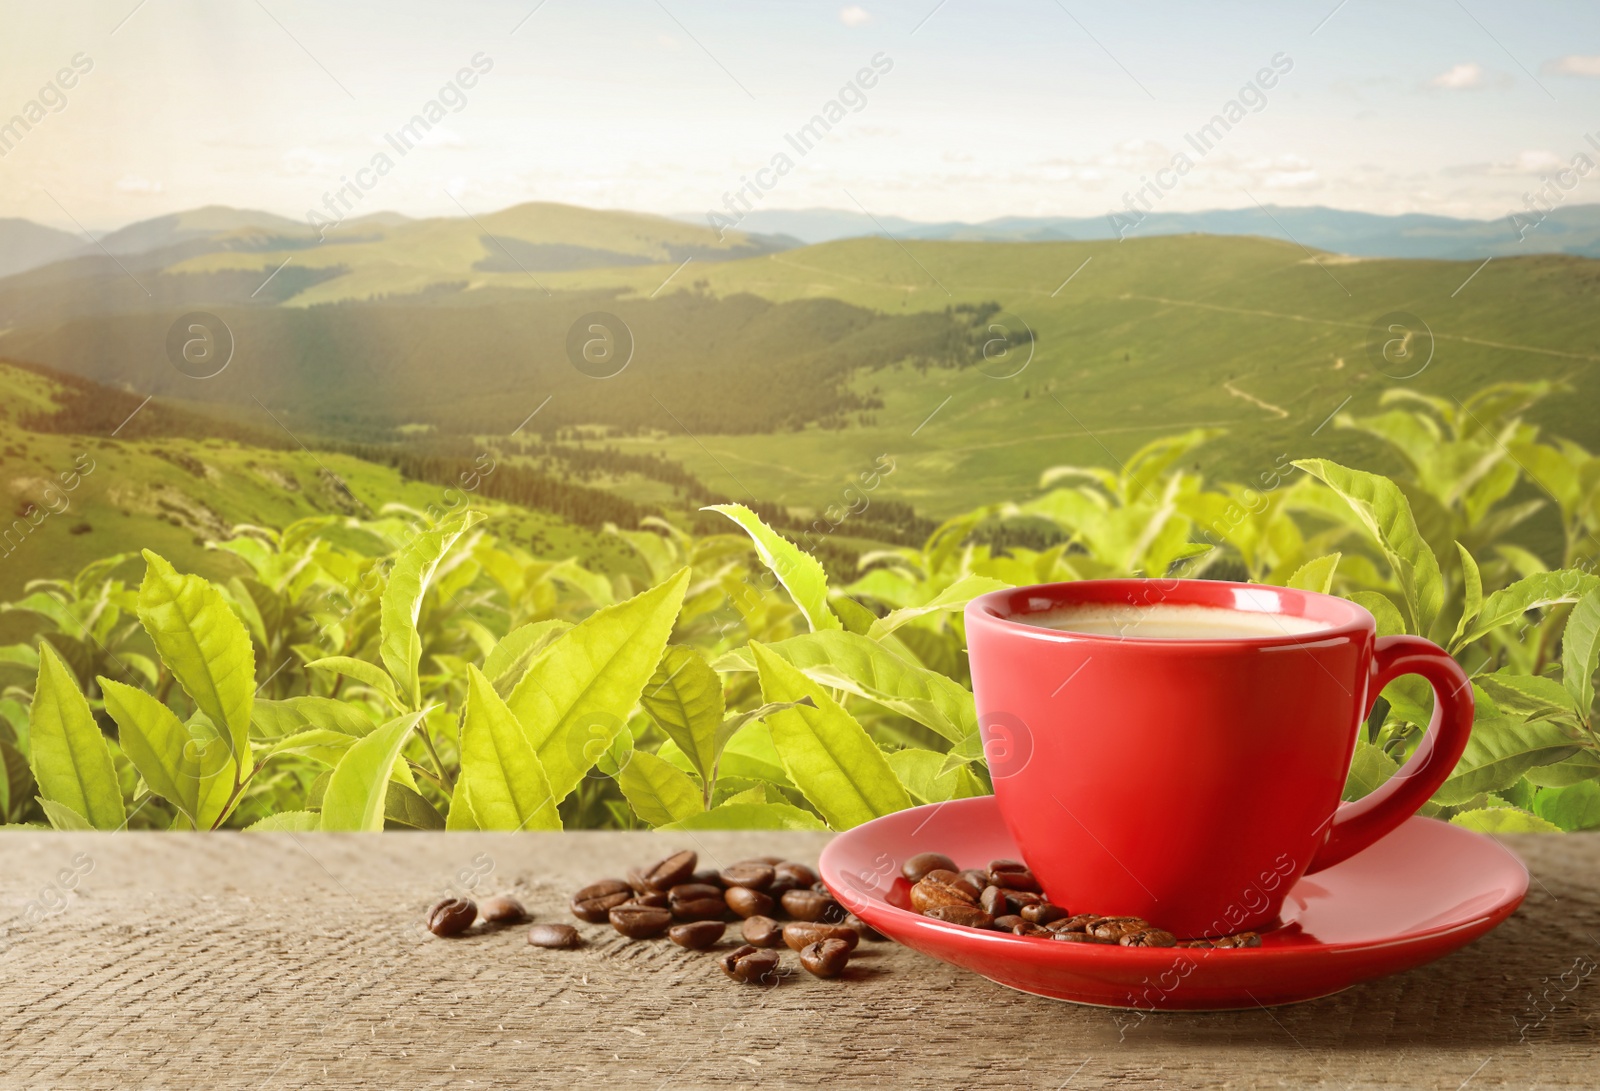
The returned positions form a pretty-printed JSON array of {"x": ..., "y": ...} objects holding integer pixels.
[
  {"x": 696, "y": 902},
  {"x": 640, "y": 921},
  {"x": 957, "y": 880},
  {"x": 1149, "y": 937},
  {"x": 709, "y": 876},
  {"x": 969, "y": 915},
  {"x": 1042, "y": 913},
  {"x": 1243, "y": 939},
  {"x": 1007, "y": 865},
  {"x": 1081, "y": 937},
  {"x": 863, "y": 929},
  {"x": 797, "y": 874},
  {"x": 1024, "y": 928},
  {"x": 1007, "y": 922},
  {"x": 502, "y": 909},
  {"x": 554, "y": 935},
  {"x": 665, "y": 874},
  {"x": 808, "y": 905},
  {"x": 1075, "y": 923},
  {"x": 770, "y": 861},
  {"x": 750, "y": 965},
  {"x": 750, "y": 874},
  {"x": 748, "y": 903},
  {"x": 696, "y": 935},
  {"x": 762, "y": 931},
  {"x": 826, "y": 958},
  {"x": 452, "y": 916},
  {"x": 930, "y": 892},
  {"x": 654, "y": 899},
  {"x": 1015, "y": 900},
  {"x": 594, "y": 901},
  {"x": 1114, "y": 928},
  {"x": 976, "y": 878},
  {"x": 993, "y": 902},
  {"x": 693, "y": 892},
  {"x": 1016, "y": 880},
  {"x": 916, "y": 869},
  {"x": 797, "y": 934}
]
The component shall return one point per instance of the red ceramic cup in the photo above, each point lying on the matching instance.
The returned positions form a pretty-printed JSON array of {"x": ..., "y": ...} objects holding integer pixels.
[{"x": 1192, "y": 782}]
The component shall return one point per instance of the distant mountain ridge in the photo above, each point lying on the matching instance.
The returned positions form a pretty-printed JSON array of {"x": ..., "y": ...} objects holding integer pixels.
[
  {"x": 1572, "y": 230},
  {"x": 26, "y": 245}
]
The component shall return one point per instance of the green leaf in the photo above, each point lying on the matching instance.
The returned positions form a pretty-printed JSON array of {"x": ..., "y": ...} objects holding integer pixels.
[
  {"x": 1383, "y": 509},
  {"x": 954, "y": 597},
  {"x": 362, "y": 672},
  {"x": 579, "y": 692},
  {"x": 509, "y": 788},
  {"x": 287, "y": 822},
  {"x": 1582, "y": 766},
  {"x": 868, "y": 669},
  {"x": 1369, "y": 769},
  {"x": 63, "y": 817},
  {"x": 827, "y": 754},
  {"x": 1316, "y": 575},
  {"x": 405, "y": 808},
  {"x": 16, "y": 781},
  {"x": 1573, "y": 808},
  {"x": 509, "y": 660},
  {"x": 1526, "y": 695},
  {"x": 1471, "y": 595},
  {"x": 799, "y": 572},
  {"x": 924, "y": 775},
  {"x": 71, "y": 761},
  {"x": 1542, "y": 589},
  {"x": 205, "y": 646},
  {"x": 749, "y": 816},
  {"x": 1383, "y": 611},
  {"x": 658, "y": 792},
  {"x": 684, "y": 697},
  {"x": 194, "y": 775},
  {"x": 1580, "y": 652},
  {"x": 1499, "y": 752},
  {"x": 1503, "y": 820},
  {"x": 734, "y": 724},
  {"x": 358, "y": 789},
  {"x": 461, "y": 816},
  {"x": 400, "y": 647}
]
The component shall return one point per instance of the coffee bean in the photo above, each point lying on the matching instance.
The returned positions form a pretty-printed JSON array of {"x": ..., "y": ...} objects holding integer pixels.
[
  {"x": 554, "y": 935},
  {"x": 808, "y": 905},
  {"x": 1007, "y": 922},
  {"x": 957, "y": 880},
  {"x": 798, "y": 934},
  {"x": 798, "y": 874},
  {"x": 1076, "y": 923},
  {"x": 667, "y": 873},
  {"x": 930, "y": 892},
  {"x": 1081, "y": 937},
  {"x": 748, "y": 903},
  {"x": 452, "y": 916},
  {"x": 916, "y": 869},
  {"x": 503, "y": 909},
  {"x": 594, "y": 901},
  {"x": 1027, "y": 928},
  {"x": 696, "y": 902},
  {"x": 1114, "y": 928},
  {"x": 693, "y": 892},
  {"x": 640, "y": 921},
  {"x": 1007, "y": 865},
  {"x": 750, "y": 965},
  {"x": 993, "y": 902},
  {"x": 654, "y": 899},
  {"x": 1149, "y": 937},
  {"x": 709, "y": 876},
  {"x": 863, "y": 929},
  {"x": 761, "y": 931},
  {"x": 751, "y": 874},
  {"x": 1243, "y": 939},
  {"x": 697, "y": 935},
  {"x": 969, "y": 915},
  {"x": 825, "y": 958},
  {"x": 1042, "y": 913},
  {"x": 976, "y": 878},
  {"x": 770, "y": 861},
  {"x": 1015, "y": 880}
]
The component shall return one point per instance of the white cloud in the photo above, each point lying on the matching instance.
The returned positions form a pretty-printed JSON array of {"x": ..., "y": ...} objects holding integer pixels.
[
  {"x": 1523, "y": 164},
  {"x": 1460, "y": 78},
  {"x": 854, "y": 16},
  {"x": 1573, "y": 65},
  {"x": 133, "y": 183}
]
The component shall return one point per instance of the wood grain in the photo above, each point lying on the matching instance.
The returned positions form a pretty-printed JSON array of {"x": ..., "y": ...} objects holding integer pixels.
[{"x": 267, "y": 961}]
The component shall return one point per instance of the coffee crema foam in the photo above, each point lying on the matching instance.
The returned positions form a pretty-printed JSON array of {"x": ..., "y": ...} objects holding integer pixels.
[{"x": 1170, "y": 621}]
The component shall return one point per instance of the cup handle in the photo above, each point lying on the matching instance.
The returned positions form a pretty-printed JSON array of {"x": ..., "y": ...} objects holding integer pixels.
[{"x": 1356, "y": 825}]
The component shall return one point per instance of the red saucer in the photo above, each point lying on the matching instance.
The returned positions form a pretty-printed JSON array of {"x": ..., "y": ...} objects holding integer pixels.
[{"x": 1423, "y": 891}]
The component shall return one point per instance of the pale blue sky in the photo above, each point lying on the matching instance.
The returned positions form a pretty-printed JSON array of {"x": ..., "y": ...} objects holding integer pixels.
[{"x": 1025, "y": 107}]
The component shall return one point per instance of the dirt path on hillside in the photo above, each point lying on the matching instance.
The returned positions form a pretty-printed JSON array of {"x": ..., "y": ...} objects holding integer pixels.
[{"x": 1253, "y": 400}]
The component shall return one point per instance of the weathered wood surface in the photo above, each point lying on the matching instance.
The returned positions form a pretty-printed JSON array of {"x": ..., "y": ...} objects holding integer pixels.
[{"x": 282, "y": 961}]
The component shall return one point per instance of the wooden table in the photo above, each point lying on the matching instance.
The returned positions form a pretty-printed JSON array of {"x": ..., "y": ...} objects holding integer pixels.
[{"x": 268, "y": 961}]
